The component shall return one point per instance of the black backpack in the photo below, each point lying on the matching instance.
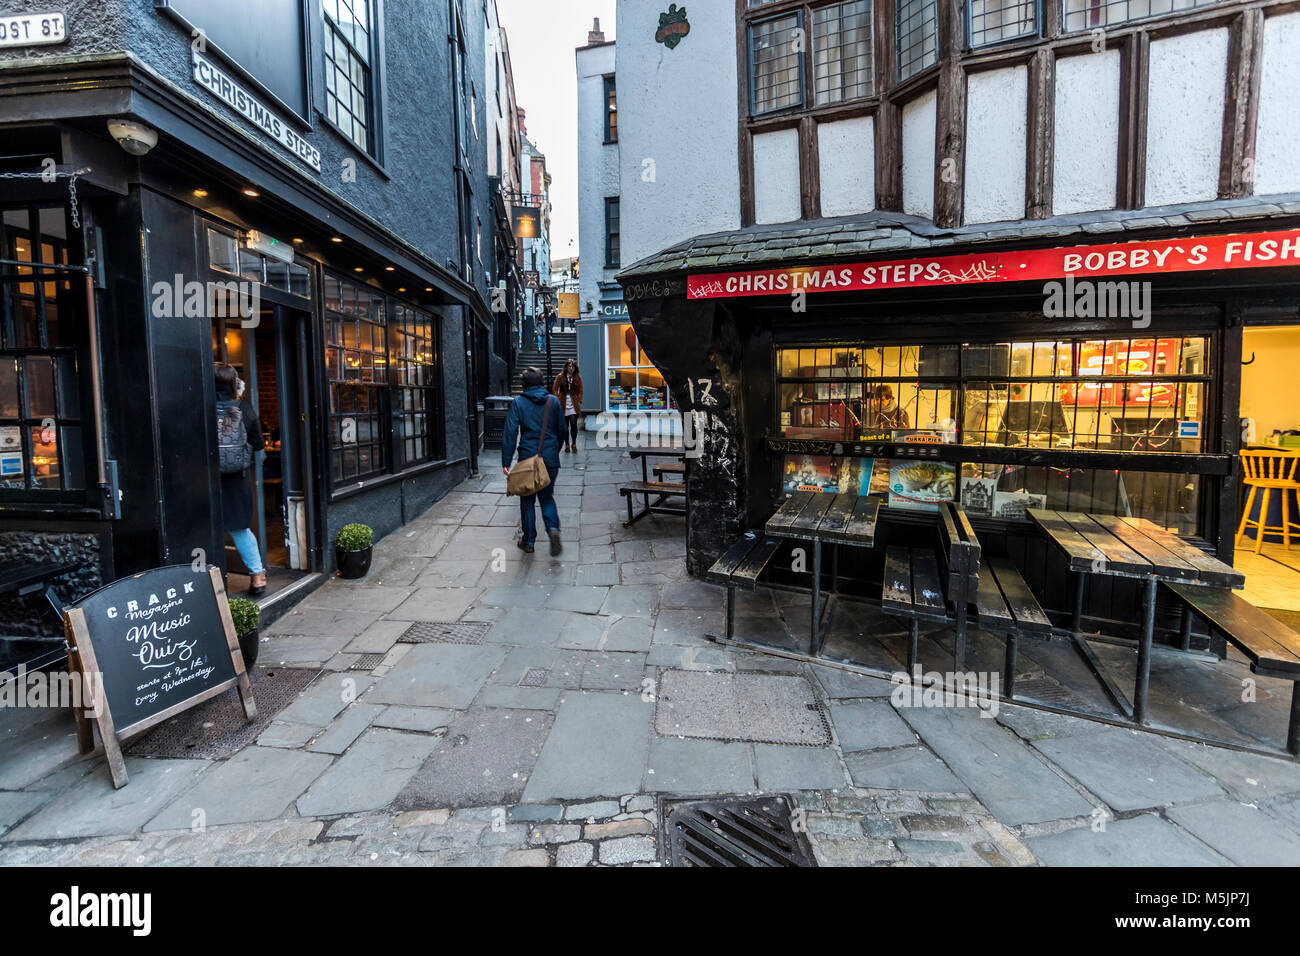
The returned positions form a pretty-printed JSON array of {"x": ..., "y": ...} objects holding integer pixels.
[{"x": 232, "y": 442}]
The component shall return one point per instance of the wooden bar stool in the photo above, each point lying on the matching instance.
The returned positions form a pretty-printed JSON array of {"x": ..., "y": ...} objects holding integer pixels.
[{"x": 1270, "y": 471}]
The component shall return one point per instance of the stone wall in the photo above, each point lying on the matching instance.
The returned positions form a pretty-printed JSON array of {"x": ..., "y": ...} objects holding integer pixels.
[{"x": 31, "y": 616}]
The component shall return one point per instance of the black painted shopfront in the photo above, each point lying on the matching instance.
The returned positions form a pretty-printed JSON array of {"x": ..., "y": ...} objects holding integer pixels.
[{"x": 969, "y": 393}]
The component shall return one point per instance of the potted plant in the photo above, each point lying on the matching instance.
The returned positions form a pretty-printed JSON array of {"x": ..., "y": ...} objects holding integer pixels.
[
  {"x": 246, "y": 616},
  {"x": 353, "y": 549}
]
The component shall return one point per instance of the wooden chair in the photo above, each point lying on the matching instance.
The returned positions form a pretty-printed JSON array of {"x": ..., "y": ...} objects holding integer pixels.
[{"x": 1269, "y": 471}]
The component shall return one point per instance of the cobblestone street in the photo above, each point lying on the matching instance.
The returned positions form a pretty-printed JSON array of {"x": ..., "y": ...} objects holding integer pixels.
[{"x": 546, "y": 737}]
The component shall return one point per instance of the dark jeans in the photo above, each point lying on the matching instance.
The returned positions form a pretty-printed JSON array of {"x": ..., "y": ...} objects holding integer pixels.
[
  {"x": 550, "y": 513},
  {"x": 573, "y": 429}
]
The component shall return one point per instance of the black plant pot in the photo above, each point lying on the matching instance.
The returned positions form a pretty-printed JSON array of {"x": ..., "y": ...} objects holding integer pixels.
[
  {"x": 248, "y": 644},
  {"x": 353, "y": 564}
]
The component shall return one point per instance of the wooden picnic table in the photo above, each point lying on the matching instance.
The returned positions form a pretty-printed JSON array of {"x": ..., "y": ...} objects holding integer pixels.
[
  {"x": 1114, "y": 546},
  {"x": 825, "y": 518},
  {"x": 650, "y": 487}
]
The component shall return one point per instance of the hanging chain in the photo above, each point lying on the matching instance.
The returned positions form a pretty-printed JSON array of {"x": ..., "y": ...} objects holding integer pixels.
[{"x": 74, "y": 209}]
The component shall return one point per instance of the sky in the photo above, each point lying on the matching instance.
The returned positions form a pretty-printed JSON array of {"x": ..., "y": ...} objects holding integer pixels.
[{"x": 543, "y": 35}]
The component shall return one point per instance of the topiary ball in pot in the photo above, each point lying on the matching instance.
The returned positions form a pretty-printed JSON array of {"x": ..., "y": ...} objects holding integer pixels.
[
  {"x": 353, "y": 549},
  {"x": 246, "y": 616}
]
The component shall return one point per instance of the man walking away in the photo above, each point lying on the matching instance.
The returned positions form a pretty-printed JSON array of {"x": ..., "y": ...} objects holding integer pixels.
[{"x": 524, "y": 428}]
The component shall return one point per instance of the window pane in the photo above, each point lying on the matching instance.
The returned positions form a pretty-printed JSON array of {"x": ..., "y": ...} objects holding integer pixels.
[
  {"x": 993, "y": 21},
  {"x": 8, "y": 387},
  {"x": 776, "y": 64},
  {"x": 1088, "y": 14},
  {"x": 915, "y": 36},
  {"x": 40, "y": 388},
  {"x": 223, "y": 253},
  {"x": 842, "y": 51}
]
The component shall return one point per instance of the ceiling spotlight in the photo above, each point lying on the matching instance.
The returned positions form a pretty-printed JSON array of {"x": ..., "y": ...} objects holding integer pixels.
[
  {"x": 336, "y": 238},
  {"x": 401, "y": 289},
  {"x": 357, "y": 269},
  {"x": 297, "y": 242},
  {"x": 251, "y": 193},
  {"x": 389, "y": 269},
  {"x": 428, "y": 288},
  {"x": 200, "y": 193}
]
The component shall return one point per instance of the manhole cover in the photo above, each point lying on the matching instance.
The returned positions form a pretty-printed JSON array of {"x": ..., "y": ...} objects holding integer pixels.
[
  {"x": 367, "y": 662},
  {"x": 535, "y": 677},
  {"x": 758, "y": 708},
  {"x": 445, "y": 632},
  {"x": 217, "y": 729},
  {"x": 732, "y": 831}
]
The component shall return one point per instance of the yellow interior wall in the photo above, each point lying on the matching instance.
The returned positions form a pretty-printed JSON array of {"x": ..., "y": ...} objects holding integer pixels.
[{"x": 1269, "y": 392}]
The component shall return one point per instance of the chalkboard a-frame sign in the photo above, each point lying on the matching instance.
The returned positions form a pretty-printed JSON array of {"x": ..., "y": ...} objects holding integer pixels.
[{"x": 161, "y": 642}]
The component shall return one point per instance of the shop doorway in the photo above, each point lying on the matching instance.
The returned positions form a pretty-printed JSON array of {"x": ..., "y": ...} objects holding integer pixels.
[
  {"x": 1270, "y": 413},
  {"x": 271, "y": 359}
]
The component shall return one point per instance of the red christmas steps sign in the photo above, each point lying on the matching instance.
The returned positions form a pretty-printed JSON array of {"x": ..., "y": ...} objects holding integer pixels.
[{"x": 1204, "y": 254}]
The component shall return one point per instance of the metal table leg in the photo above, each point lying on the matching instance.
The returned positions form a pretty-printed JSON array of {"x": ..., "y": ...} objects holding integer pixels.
[
  {"x": 815, "y": 643},
  {"x": 1144, "y": 651}
]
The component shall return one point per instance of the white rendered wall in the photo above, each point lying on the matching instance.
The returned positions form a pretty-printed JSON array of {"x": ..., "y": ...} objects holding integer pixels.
[
  {"x": 996, "y": 123},
  {"x": 847, "y": 161},
  {"x": 1277, "y": 166},
  {"x": 677, "y": 110},
  {"x": 776, "y": 176},
  {"x": 918, "y": 156},
  {"x": 1185, "y": 116},
  {"x": 1085, "y": 157},
  {"x": 597, "y": 176}
]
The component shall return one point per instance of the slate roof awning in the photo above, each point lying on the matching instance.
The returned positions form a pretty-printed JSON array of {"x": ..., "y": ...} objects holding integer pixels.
[{"x": 880, "y": 232}]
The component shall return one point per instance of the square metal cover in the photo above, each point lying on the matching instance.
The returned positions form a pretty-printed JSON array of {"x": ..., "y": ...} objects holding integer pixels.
[{"x": 732, "y": 831}]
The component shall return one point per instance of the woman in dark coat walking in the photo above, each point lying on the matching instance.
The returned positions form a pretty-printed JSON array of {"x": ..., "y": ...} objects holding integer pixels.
[{"x": 236, "y": 497}]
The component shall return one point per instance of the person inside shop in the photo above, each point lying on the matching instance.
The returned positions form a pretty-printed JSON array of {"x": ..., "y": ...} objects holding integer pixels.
[
  {"x": 533, "y": 424},
  {"x": 239, "y": 437},
  {"x": 888, "y": 413},
  {"x": 568, "y": 389}
]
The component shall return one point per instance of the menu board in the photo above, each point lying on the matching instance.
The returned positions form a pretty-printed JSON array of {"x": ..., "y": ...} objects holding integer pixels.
[{"x": 161, "y": 642}]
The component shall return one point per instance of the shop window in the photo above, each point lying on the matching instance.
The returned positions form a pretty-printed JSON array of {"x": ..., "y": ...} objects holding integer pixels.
[
  {"x": 356, "y": 364},
  {"x": 916, "y": 36},
  {"x": 1090, "y": 14},
  {"x": 634, "y": 383},
  {"x": 996, "y": 21},
  {"x": 349, "y": 87},
  {"x": 41, "y": 441},
  {"x": 417, "y": 402},
  {"x": 1081, "y": 395}
]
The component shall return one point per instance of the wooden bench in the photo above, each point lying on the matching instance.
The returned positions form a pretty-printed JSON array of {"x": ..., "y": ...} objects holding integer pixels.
[
  {"x": 740, "y": 566},
  {"x": 921, "y": 584},
  {"x": 663, "y": 489},
  {"x": 670, "y": 468},
  {"x": 1272, "y": 648},
  {"x": 1005, "y": 606}
]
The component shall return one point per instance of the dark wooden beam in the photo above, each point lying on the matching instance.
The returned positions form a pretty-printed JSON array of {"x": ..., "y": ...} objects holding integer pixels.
[
  {"x": 745, "y": 140},
  {"x": 1135, "y": 56},
  {"x": 1241, "y": 105},
  {"x": 810, "y": 173},
  {"x": 950, "y": 118},
  {"x": 1041, "y": 136},
  {"x": 888, "y": 134}
]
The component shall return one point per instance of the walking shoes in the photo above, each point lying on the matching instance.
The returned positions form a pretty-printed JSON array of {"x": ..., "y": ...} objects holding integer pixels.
[{"x": 556, "y": 544}]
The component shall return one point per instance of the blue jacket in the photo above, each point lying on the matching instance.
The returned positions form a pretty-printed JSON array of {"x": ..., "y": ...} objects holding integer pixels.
[{"x": 524, "y": 425}]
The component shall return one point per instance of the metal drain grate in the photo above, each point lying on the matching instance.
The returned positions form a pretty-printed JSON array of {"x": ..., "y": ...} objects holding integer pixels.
[
  {"x": 535, "y": 677},
  {"x": 445, "y": 632},
  {"x": 217, "y": 729},
  {"x": 1044, "y": 690},
  {"x": 734, "y": 831},
  {"x": 367, "y": 662}
]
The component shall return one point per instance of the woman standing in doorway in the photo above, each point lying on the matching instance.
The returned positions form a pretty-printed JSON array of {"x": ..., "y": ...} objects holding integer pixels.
[
  {"x": 239, "y": 437},
  {"x": 568, "y": 389}
]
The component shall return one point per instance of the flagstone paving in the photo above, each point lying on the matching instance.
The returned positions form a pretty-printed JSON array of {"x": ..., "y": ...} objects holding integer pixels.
[{"x": 548, "y": 740}]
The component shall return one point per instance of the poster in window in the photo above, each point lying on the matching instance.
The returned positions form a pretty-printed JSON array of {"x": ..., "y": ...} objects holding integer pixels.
[
  {"x": 824, "y": 474},
  {"x": 977, "y": 496},
  {"x": 1012, "y": 505},
  {"x": 921, "y": 485}
]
